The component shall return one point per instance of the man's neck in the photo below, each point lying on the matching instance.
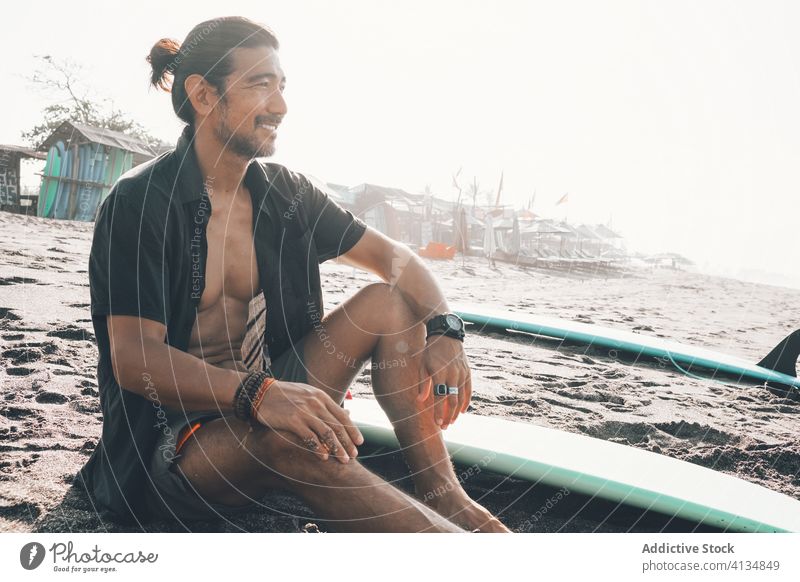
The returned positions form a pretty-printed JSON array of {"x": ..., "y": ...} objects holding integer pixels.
[{"x": 222, "y": 170}]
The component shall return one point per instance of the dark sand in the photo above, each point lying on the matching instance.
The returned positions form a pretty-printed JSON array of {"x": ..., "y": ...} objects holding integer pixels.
[{"x": 50, "y": 419}]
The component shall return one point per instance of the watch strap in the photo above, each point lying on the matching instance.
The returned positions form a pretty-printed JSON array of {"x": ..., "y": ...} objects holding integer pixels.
[{"x": 438, "y": 325}]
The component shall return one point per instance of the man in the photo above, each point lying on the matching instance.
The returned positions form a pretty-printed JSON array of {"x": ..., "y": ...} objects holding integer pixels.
[{"x": 182, "y": 246}]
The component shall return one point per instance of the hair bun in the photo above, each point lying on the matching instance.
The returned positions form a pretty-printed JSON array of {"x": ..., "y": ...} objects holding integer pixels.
[{"x": 162, "y": 60}]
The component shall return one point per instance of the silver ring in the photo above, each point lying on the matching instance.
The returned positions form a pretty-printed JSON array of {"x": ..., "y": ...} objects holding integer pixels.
[
  {"x": 440, "y": 389},
  {"x": 452, "y": 389}
]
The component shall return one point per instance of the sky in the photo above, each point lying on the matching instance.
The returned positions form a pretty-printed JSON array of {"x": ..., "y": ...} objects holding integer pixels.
[{"x": 676, "y": 122}]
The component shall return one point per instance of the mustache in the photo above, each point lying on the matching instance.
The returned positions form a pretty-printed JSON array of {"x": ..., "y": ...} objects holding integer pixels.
[{"x": 268, "y": 120}]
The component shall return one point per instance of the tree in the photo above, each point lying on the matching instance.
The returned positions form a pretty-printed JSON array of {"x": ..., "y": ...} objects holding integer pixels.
[{"x": 62, "y": 79}]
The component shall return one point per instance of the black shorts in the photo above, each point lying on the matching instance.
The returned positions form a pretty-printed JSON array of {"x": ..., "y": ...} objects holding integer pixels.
[{"x": 170, "y": 495}]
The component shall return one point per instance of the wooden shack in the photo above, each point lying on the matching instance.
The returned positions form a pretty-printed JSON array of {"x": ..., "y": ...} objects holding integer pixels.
[
  {"x": 12, "y": 197},
  {"x": 388, "y": 210},
  {"x": 83, "y": 163}
]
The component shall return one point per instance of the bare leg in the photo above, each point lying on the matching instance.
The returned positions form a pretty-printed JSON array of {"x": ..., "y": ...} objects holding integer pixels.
[
  {"x": 378, "y": 322},
  {"x": 422, "y": 440},
  {"x": 348, "y": 496}
]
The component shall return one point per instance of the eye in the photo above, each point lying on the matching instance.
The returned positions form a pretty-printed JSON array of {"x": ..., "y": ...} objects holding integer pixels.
[{"x": 267, "y": 84}]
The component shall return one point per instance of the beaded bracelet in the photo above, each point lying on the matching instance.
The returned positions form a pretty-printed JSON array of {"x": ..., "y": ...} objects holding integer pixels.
[
  {"x": 245, "y": 393},
  {"x": 237, "y": 397},
  {"x": 249, "y": 394}
]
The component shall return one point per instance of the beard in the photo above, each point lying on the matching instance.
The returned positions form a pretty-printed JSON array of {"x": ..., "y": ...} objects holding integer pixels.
[{"x": 248, "y": 146}]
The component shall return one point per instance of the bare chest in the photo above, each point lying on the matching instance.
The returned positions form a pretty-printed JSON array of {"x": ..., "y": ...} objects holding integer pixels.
[
  {"x": 231, "y": 272},
  {"x": 231, "y": 281}
]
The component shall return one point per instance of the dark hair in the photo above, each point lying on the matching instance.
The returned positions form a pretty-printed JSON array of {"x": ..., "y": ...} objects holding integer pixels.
[{"x": 207, "y": 51}]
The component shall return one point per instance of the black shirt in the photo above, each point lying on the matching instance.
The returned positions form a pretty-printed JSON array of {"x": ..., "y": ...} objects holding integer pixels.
[{"x": 148, "y": 259}]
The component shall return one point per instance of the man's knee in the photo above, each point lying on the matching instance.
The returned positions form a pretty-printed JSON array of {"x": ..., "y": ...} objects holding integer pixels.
[
  {"x": 275, "y": 447},
  {"x": 395, "y": 311},
  {"x": 379, "y": 293},
  {"x": 286, "y": 456}
]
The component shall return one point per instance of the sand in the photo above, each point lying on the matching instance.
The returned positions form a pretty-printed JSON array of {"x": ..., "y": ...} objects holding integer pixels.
[{"x": 50, "y": 418}]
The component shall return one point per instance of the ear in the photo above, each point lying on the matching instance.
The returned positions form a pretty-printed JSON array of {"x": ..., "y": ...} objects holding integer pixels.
[{"x": 201, "y": 94}]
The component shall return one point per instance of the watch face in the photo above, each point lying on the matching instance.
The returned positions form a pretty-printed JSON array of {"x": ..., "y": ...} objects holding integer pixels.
[{"x": 453, "y": 321}]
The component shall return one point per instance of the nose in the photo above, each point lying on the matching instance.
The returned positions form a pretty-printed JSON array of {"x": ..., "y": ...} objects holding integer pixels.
[{"x": 277, "y": 103}]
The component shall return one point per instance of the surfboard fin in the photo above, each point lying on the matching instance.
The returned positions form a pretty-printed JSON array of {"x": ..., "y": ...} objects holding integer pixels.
[{"x": 783, "y": 357}]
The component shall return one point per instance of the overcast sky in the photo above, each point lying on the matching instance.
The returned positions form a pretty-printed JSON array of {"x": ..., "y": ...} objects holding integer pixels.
[{"x": 678, "y": 121}]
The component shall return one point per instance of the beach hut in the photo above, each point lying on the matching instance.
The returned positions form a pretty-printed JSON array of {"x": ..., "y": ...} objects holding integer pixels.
[
  {"x": 415, "y": 219},
  {"x": 669, "y": 260},
  {"x": 611, "y": 242},
  {"x": 385, "y": 209},
  {"x": 546, "y": 234},
  {"x": 339, "y": 193},
  {"x": 514, "y": 247},
  {"x": 12, "y": 198},
  {"x": 589, "y": 242},
  {"x": 470, "y": 227},
  {"x": 83, "y": 163}
]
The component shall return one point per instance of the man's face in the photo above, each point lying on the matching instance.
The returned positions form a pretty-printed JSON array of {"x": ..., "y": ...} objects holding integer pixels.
[{"x": 251, "y": 103}]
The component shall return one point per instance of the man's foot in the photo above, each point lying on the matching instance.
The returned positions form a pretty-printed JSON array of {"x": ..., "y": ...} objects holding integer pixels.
[{"x": 457, "y": 506}]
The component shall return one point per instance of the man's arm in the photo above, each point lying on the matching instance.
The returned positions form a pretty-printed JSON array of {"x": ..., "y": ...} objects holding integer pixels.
[
  {"x": 144, "y": 364},
  {"x": 395, "y": 263},
  {"x": 129, "y": 279},
  {"x": 445, "y": 359}
]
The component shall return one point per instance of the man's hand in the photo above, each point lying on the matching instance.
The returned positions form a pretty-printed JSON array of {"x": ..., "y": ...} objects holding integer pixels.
[
  {"x": 445, "y": 362},
  {"x": 322, "y": 426}
]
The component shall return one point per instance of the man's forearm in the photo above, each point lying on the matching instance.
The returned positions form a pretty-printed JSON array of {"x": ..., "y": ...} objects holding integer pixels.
[
  {"x": 419, "y": 287},
  {"x": 177, "y": 379}
]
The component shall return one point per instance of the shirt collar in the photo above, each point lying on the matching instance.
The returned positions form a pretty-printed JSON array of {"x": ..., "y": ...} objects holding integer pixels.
[{"x": 190, "y": 179}]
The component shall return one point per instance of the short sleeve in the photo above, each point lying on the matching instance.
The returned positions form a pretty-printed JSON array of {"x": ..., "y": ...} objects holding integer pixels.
[
  {"x": 128, "y": 270},
  {"x": 334, "y": 229}
]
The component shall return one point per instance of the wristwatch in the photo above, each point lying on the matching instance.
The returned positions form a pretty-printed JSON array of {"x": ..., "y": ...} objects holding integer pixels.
[{"x": 448, "y": 324}]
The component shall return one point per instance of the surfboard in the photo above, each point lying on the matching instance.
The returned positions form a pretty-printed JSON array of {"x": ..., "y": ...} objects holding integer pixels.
[
  {"x": 49, "y": 187},
  {"x": 98, "y": 171},
  {"x": 78, "y": 191},
  {"x": 778, "y": 367},
  {"x": 103, "y": 163},
  {"x": 595, "y": 467},
  {"x": 92, "y": 170},
  {"x": 118, "y": 163},
  {"x": 109, "y": 176},
  {"x": 69, "y": 173},
  {"x": 48, "y": 170}
]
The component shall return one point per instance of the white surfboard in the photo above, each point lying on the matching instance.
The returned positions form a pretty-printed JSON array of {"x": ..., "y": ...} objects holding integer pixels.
[
  {"x": 601, "y": 468},
  {"x": 777, "y": 367}
]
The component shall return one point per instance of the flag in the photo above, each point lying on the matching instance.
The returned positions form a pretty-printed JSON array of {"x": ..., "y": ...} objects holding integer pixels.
[
  {"x": 455, "y": 182},
  {"x": 563, "y": 200}
]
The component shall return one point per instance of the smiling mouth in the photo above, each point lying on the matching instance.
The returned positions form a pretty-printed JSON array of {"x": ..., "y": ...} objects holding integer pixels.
[{"x": 268, "y": 126}]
